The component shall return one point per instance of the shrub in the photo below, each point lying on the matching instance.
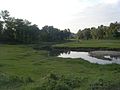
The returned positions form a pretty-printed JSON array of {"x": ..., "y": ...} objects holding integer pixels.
[{"x": 58, "y": 82}]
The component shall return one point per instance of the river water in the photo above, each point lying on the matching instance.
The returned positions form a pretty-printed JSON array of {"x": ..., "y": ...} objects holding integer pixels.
[{"x": 104, "y": 59}]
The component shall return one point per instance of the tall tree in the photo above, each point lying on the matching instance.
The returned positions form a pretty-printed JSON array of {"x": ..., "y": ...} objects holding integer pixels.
[
  {"x": 93, "y": 33},
  {"x": 80, "y": 34},
  {"x": 1, "y": 29}
]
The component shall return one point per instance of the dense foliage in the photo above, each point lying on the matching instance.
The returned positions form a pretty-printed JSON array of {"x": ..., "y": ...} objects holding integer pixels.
[
  {"x": 24, "y": 68},
  {"x": 22, "y": 31},
  {"x": 102, "y": 32},
  {"x": 59, "y": 82}
]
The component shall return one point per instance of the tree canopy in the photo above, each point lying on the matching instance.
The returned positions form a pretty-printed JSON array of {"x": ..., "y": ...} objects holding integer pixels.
[
  {"x": 102, "y": 32},
  {"x": 22, "y": 31}
]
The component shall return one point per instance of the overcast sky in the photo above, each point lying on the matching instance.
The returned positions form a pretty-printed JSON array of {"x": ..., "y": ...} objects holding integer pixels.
[{"x": 73, "y": 14}]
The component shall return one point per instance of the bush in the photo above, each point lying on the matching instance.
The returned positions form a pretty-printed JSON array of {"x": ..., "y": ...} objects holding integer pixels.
[
  {"x": 105, "y": 85},
  {"x": 12, "y": 82},
  {"x": 58, "y": 82}
]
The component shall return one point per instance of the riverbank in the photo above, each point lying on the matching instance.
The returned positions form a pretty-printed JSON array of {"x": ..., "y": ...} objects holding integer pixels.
[
  {"x": 24, "y": 68},
  {"x": 105, "y": 53},
  {"x": 90, "y": 45}
]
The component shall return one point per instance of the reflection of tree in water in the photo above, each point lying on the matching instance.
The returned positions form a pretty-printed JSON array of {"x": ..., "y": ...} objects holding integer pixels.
[{"x": 56, "y": 52}]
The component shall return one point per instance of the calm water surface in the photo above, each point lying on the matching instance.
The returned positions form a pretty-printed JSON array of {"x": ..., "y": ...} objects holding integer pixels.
[{"x": 86, "y": 56}]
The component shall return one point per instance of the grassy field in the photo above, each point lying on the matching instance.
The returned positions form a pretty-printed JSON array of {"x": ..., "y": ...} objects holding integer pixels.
[
  {"x": 109, "y": 44},
  {"x": 23, "y": 68}
]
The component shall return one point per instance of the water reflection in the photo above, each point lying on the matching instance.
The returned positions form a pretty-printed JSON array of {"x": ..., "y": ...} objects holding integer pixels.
[
  {"x": 86, "y": 56},
  {"x": 56, "y": 52}
]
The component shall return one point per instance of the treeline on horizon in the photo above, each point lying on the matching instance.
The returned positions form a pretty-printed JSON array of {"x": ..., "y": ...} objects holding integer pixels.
[
  {"x": 22, "y": 31},
  {"x": 101, "y": 32}
]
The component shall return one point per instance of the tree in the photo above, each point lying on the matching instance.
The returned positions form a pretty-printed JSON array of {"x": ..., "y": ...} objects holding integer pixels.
[
  {"x": 4, "y": 15},
  {"x": 67, "y": 33},
  {"x": 100, "y": 32},
  {"x": 7, "y": 21},
  {"x": 93, "y": 33},
  {"x": 80, "y": 34},
  {"x": 86, "y": 33},
  {"x": 1, "y": 29}
]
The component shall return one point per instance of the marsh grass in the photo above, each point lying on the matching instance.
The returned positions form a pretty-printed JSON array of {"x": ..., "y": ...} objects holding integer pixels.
[
  {"x": 24, "y": 68},
  {"x": 89, "y": 44},
  {"x": 8, "y": 82},
  {"x": 57, "y": 82}
]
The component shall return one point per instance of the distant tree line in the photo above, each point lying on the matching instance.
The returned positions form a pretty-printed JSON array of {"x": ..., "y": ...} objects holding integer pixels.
[
  {"x": 102, "y": 32},
  {"x": 22, "y": 31}
]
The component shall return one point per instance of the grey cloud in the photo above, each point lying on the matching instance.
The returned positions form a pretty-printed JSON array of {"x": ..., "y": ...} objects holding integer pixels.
[{"x": 100, "y": 13}]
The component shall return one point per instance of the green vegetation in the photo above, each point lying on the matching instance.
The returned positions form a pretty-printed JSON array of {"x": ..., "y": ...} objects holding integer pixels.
[
  {"x": 102, "y": 32},
  {"x": 28, "y": 67},
  {"x": 16, "y": 31},
  {"x": 24, "y": 68},
  {"x": 108, "y": 44}
]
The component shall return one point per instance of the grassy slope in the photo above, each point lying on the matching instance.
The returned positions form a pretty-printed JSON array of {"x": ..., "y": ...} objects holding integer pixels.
[
  {"x": 91, "y": 44},
  {"x": 23, "y": 61}
]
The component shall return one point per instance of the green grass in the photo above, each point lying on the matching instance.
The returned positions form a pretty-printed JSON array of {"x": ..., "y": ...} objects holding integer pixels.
[
  {"x": 23, "y": 68},
  {"x": 110, "y": 44}
]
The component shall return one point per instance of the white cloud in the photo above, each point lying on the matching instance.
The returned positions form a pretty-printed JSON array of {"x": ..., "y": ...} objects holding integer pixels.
[
  {"x": 110, "y": 1},
  {"x": 73, "y": 14},
  {"x": 96, "y": 15}
]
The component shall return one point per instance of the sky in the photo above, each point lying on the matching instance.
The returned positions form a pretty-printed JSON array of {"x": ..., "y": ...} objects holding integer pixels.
[{"x": 63, "y": 14}]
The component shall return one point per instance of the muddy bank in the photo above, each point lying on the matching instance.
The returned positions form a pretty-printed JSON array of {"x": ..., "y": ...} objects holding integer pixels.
[
  {"x": 105, "y": 54},
  {"x": 114, "y": 53}
]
